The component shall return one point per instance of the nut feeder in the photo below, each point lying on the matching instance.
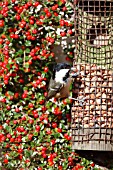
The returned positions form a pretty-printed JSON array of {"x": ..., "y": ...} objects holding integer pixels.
[{"x": 92, "y": 123}]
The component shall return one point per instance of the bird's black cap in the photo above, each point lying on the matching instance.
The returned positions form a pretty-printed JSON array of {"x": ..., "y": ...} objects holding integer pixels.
[{"x": 60, "y": 66}]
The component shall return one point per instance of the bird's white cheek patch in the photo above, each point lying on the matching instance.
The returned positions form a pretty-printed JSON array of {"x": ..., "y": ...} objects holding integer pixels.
[{"x": 60, "y": 75}]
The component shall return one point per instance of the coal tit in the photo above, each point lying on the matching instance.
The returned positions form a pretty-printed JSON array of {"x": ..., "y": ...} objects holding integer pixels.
[{"x": 59, "y": 86}]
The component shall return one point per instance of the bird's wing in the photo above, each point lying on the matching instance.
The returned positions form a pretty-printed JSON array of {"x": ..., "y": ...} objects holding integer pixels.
[{"x": 54, "y": 88}]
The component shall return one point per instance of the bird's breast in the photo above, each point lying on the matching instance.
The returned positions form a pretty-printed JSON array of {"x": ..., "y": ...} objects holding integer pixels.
[{"x": 64, "y": 93}]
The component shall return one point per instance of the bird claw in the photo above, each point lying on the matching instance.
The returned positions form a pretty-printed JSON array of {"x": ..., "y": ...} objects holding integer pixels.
[
  {"x": 81, "y": 101},
  {"x": 74, "y": 75}
]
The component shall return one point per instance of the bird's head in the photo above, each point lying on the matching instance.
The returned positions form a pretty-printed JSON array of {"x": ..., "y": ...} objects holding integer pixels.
[{"x": 62, "y": 71}]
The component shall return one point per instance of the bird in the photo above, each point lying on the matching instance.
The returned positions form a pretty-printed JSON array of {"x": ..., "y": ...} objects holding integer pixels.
[{"x": 60, "y": 81}]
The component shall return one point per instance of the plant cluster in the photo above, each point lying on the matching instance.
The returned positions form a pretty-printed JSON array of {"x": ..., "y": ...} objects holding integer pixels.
[{"x": 33, "y": 135}]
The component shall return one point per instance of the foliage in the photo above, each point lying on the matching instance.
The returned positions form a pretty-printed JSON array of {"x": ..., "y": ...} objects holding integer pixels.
[{"x": 33, "y": 135}]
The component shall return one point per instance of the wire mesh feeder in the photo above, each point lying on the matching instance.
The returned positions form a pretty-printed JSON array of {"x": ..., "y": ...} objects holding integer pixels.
[{"x": 92, "y": 123}]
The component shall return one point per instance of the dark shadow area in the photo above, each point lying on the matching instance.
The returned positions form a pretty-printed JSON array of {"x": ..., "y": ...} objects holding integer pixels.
[
  {"x": 95, "y": 31},
  {"x": 96, "y": 7},
  {"x": 102, "y": 158}
]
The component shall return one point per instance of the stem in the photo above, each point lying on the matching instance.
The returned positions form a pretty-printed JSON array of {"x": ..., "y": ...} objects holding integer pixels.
[{"x": 24, "y": 59}]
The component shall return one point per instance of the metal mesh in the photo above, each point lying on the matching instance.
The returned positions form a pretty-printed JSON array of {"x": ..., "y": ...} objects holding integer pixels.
[{"x": 92, "y": 122}]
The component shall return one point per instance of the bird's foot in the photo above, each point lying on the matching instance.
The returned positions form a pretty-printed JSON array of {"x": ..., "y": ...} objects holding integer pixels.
[
  {"x": 74, "y": 75},
  {"x": 81, "y": 101}
]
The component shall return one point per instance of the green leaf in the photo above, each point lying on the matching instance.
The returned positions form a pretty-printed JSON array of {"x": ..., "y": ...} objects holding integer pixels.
[
  {"x": 26, "y": 65},
  {"x": 28, "y": 153},
  {"x": 13, "y": 154},
  {"x": 11, "y": 93},
  {"x": 8, "y": 66},
  {"x": 27, "y": 50},
  {"x": 19, "y": 59},
  {"x": 20, "y": 52},
  {"x": 59, "y": 2},
  {"x": 27, "y": 58},
  {"x": 9, "y": 129},
  {"x": 65, "y": 164},
  {"x": 56, "y": 149},
  {"x": 28, "y": 43},
  {"x": 42, "y": 127},
  {"x": 1, "y": 16},
  {"x": 35, "y": 133},
  {"x": 50, "y": 168},
  {"x": 16, "y": 116}
]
